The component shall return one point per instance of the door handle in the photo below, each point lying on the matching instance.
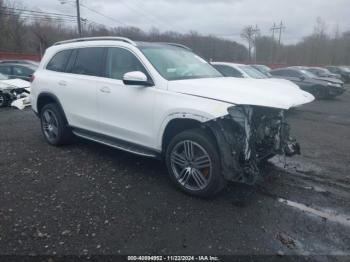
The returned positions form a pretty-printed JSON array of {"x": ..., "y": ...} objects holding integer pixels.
[
  {"x": 62, "y": 83},
  {"x": 105, "y": 89}
]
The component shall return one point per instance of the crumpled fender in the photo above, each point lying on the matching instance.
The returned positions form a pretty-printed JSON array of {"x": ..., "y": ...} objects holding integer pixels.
[{"x": 241, "y": 136}]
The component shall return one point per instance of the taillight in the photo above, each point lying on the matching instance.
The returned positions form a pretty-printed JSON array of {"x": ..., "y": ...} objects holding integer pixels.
[{"x": 31, "y": 79}]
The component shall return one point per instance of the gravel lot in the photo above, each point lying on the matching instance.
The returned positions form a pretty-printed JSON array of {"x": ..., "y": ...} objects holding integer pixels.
[{"x": 86, "y": 198}]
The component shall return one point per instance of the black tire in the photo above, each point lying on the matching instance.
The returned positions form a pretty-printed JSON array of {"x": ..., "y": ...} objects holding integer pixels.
[
  {"x": 204, "y": 141},
  {"x": 4, "y": 100},
  {"x": 62, "y": 134}
]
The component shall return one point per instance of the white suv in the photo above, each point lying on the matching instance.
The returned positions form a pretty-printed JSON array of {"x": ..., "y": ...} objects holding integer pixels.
[{"x": 161, "y": 100}]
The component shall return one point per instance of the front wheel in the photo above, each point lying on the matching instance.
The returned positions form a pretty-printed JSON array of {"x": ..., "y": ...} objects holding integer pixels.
[{"x": 193, "y": 163}]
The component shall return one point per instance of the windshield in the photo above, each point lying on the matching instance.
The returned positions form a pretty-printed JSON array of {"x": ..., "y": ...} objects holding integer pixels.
[
  {"x": 175, "y": 63},
  {"x": 252, "y": 72},
  {"x": 263, "y": 68},
  {"x": 308, "y": 74}
]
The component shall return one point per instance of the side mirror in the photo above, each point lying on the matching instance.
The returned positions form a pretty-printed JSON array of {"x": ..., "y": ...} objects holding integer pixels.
[
  {"x": 136, "y": 78},
  {"x": 302, "y": 78}
]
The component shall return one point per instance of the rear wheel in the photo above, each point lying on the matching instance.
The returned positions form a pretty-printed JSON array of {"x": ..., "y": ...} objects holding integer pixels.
[
  {"x": 194, "y": 164},
  {"x": 54, "y": 126}
]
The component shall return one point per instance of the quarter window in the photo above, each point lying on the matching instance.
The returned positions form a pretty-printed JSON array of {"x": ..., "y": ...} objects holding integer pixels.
[
  {"x": 88, "y": 61},
  {"x": 59, "y": 61},
  {"x": 121, "y": 61}
]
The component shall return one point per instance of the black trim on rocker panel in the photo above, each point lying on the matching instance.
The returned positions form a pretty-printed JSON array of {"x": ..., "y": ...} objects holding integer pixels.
[{"x": 116, "y": 143}]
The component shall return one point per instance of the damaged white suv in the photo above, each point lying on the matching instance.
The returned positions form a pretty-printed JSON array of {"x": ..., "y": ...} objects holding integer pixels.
[{"x": 161, "y": 100}]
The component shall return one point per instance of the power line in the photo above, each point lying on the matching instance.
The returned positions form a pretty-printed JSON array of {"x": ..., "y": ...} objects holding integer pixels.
[
  {"x": 41, "y": 17},
  {"x": 152, "y": 16},
  {"x": 97, "y": 12},
  {"x": 145, "y": 15},
  {"x": 38, "y": 12}
]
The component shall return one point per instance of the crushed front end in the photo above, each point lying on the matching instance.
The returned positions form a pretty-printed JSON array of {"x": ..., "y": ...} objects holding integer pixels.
[{"x": 249, "y": 135}]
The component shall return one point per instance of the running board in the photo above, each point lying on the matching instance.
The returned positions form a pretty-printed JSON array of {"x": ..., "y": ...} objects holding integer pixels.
[{"x": 116, "y": 143}]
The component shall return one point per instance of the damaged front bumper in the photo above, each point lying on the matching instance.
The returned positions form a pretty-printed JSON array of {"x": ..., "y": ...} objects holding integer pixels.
[
  {"x": 18, "y": 97},
  {"x": 249, "y": 135}
]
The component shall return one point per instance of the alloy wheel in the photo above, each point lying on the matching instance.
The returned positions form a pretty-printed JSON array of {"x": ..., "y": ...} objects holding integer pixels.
[
  {"x": 191, "y": 165},
  {"x": 50, "y": 125}
]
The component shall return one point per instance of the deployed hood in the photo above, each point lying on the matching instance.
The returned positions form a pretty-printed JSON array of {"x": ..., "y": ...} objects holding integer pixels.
[{"x": 243, "y": 91}]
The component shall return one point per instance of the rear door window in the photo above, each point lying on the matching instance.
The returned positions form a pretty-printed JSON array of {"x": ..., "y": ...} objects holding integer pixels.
[
  {"x": 88, "y": 61},
  {"x": 59, "y": 61}
]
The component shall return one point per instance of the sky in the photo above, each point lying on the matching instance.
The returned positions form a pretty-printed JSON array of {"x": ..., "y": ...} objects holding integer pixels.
[{"x": 223, "y": 18}]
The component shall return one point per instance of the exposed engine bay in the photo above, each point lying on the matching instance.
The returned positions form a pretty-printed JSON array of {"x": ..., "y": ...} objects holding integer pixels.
[{"x": 249, "y": 135}]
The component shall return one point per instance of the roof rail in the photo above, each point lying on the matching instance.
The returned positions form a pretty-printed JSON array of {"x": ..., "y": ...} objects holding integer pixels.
[
  {"x": 176, "y": 44},
  {"x": 100, "y": 38}
]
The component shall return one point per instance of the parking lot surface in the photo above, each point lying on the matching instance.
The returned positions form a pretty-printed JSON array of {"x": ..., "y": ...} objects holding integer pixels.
[{"x": 87, "y": 198}]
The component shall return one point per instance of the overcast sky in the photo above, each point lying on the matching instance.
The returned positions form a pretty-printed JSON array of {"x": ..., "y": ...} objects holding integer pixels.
[{"x": 224, "y": 18}]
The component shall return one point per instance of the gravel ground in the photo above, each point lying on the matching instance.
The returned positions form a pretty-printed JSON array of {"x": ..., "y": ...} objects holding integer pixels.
[{"x": 86, "y": 198}]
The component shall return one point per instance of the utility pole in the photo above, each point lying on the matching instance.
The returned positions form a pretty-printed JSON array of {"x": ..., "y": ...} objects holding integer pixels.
[
  {"x": 78, "y": 18},
  {"x": 255, "y": 33},
  {"x": 273, "y": 29},
  {"x": 276, "y": 28},
  {"x": 281, "y": 27},
  {"x": 78, "y": 12}
]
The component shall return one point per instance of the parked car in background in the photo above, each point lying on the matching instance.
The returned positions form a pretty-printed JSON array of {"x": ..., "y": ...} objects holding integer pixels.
[
  {"x": 15, "y": 70},
  {"x": 161, "y": 100},
  {"x": 15, "y": 61},
  {"x": 317, "y": 86},
  {"x": 238, "y": 70},
  {"x": 323, "y": 72},
  {"x": 344, "y": 71},
  {"x": 247, "y": 71},
  {"x": 263, "y": 69}
]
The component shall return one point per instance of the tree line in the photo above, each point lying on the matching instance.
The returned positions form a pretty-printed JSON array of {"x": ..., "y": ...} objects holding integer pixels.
[
  {"x": 22, "y": 33},
  {"x": 319, "y": 48},
  {"x": 34, "y": 35}
]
